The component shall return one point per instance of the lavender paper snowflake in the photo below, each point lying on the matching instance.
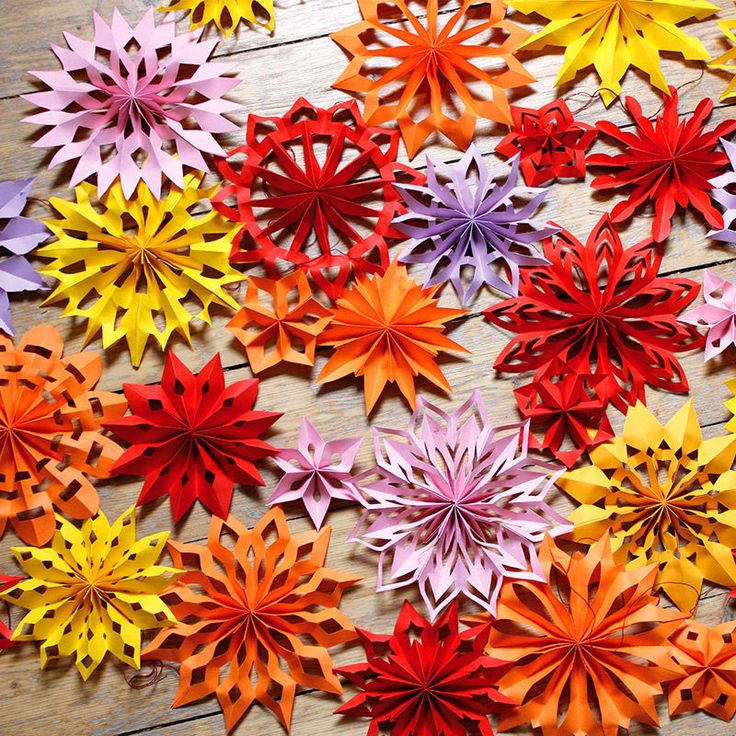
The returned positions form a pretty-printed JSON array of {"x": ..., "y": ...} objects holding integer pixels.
[
  {"x": 456, "y": 505},
  {"x": 723, "y": 193},
  {"x": 120, "y": 101},
  {"x": 483, "y": 224}
]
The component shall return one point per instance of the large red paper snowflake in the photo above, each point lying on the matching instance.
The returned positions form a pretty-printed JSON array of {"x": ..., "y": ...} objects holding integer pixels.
[
  {"x": 604, "y": 310},
  {"x": 667, "y": 163},
  {"x": 315, "y": 188}
]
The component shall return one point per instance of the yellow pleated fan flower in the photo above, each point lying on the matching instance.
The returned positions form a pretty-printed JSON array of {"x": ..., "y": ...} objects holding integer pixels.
[
  {"x": 134, "y": 269},
  {"x": 727, "y": 60},
  {"x": 225, "y": 14},
  {"x": 93, "y": 591}
]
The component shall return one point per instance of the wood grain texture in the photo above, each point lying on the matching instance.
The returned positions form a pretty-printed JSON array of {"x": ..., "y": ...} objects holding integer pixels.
[{"x": 301, "y": 60}]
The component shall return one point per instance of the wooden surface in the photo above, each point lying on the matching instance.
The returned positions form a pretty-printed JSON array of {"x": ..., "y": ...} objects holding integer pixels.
[{"x": 301, "y": 60}]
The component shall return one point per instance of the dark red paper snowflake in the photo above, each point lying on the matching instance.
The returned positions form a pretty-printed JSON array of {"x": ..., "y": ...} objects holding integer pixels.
[
  {"x": 550, "y": 142},
  {"x": 315, "y": 188},
  {"x": 605, "y": 311},
  {"x": 425, "y": 679},
  {"x": 668, "y": 163}
]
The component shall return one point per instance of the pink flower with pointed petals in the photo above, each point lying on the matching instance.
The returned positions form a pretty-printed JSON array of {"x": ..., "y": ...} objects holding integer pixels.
[
  {"x": 313, "y": 476},
  {"x": 138, "y": 103}
]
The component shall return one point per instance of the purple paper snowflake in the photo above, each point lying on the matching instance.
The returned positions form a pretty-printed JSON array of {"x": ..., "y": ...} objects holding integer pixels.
[
  {"x": 139, "y": 103},
  {"x": 456, "y": 505},
  {"x": 723, "y": 193},
  {"x": 484, "y": 224},
  {"x": 316, "y": 472}
]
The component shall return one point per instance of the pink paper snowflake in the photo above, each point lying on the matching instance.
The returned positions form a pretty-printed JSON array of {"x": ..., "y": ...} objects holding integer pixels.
[
  {"x": 139, "y": 103},
  {"x": 316, "y": 472},
  {"x": 456, "y": 505}
]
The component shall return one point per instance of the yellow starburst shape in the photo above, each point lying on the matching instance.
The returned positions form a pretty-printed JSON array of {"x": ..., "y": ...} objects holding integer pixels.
[
  {"x": 134, "y": 269},
  {"x": 225, "y": 14},
  {"x": 93, "y": 591},
  {"x": 727, "y": 60},
  {"x": 665, "y": 495},
  {"x": 730, "y": 404},
  {"x": 614, "y": 35}
]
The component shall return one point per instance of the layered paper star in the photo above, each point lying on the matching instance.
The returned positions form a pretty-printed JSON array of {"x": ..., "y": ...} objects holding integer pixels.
[
  {"x": 193, "y": 437},
  {"x": 484, "y": 226},
  {"x": 256, "y": 618},
  {"x": 225, "y": 14},
  {"x": 137, "y": 103},
  {"x": 93, "y": 591},
  {"x": 129, "y": 266}
]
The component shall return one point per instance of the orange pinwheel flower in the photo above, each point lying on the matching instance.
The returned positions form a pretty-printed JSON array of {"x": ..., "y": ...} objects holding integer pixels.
[
  {"x": 284, "y": 330},
  {"x": 450, "y": 60},
  {"x": 265, "y": 610},
  {"x": 50, "y": 438},
  {"x": 388, "y": 329}
]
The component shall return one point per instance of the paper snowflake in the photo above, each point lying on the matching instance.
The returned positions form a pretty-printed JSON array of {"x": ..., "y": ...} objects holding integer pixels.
[
  {"x": 225, "y": 14},
  {"x": 723, "y": 193}
]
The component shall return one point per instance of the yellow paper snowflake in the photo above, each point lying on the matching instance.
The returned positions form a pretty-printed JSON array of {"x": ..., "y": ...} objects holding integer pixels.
[
  {"x": 225, "y": 14},
  {"x": 727, "y": 60},
  {"x": 613, "y": 35},
  {"x": 129, "y": 267},
  {"x": 730, "y": 404},
  {"x": 93, "y": 591}
]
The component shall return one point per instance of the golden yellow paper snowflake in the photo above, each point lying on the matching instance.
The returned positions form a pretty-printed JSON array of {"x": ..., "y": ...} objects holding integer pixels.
[
  {"x": 727, "y": 60},
  {"x": 225, "y": 14},
  {"x": 129, "y": 267},
  {"x": 730, "y": 404}
]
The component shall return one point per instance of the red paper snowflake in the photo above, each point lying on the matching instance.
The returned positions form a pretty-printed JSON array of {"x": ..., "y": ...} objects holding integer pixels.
[
  {"x": 7, "y": 581},
  {"x": 549, "y": 141},
  {"x": 605, "y": 311},
  {"x": 315, "y": 188},
  {"x": 668, "y": 163}
]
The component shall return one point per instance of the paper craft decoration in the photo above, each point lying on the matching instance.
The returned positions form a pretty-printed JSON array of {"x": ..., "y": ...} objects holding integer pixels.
[
  {"x": 708, "y": 657},
  {"x": 316, "y": 472},
  {"x": 93, "y": 591},
  {"x": 588, "y": 650},
  {"x": 565, "y": 405},
  {"x": 667, "y": 164},
  {"x": 280, "y": 321},
  {"x": 483, "y": 225},
  {"x": 50, "y": 422},
  {"x": 550, "y": 142},
  {"x": 605, "y": 311},
  {"x": 136, "y": 103},
  {"x": 225, "y": 14},
  {"x": 717, "y": 315},
  {"x": 730, "y": 404},
  {"x": 613, "y": 35},
  {"x": 424, "y": 679},
  {"x": 264, "y": 609},
  {"x": 460, "y": 65},
  {"x": 18, "y": 237},
  {"x": 129, "y": 267},
  {"x": 330, "y": 216},
  {"x": 722, "y": 192},
  {"x": 665, "y": 495},
  {"x": 193, "y": 437},
  {"x": 388, "y": 329},
  {"x": 455, "y": 505},
  {"x": 726, "y": 60},
  {"x": 7, "y": 581}
]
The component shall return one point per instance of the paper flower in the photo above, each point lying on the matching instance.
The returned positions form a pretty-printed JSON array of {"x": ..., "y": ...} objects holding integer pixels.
[
  {"x": 550, "y": 142},
  {"x": 136, "y": 103},
  {"x": 7, "y": 581},
  {"x": 264, "y": 610},
  {"x": 285, "y": 327},
  {"x": 613, "y": 35},
  {"x": 730, "y": 404},
  {"x": 605, "y": 311},
  {"x": 665, "y": 495},
  {"x": 193, "y": 437},
  {"x": 128, "y": 267},
  {"x": 482, "y": 225},
  {"x": 667, "y": 164},
  {"x": 388, "y": 329},
  {"x": 93, "y": 591},
  {"x": 589, "y": 648},
  {"x": 722, "y": 192},
  {"x": 424, "y": 679},
  {"x": 462, "y": 63},
  {"x": 50, "y": 421},
  {"x": 455, "y": 505},
  {"x": 225, "y": 14},
  {"x": 717, "y": 315},
  {"x": 330, "y": 216},
  {"x": 707, "y": 654},
  {"x": 18, "y": 237},
  {"x": 726, "y": 60},
  {"x": 316, "y": 472},
  {"x": 566, "y": 405}
]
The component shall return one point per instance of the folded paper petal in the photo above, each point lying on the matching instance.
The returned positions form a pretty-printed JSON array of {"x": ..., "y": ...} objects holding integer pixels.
[{"x": 225, "y": 14}]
